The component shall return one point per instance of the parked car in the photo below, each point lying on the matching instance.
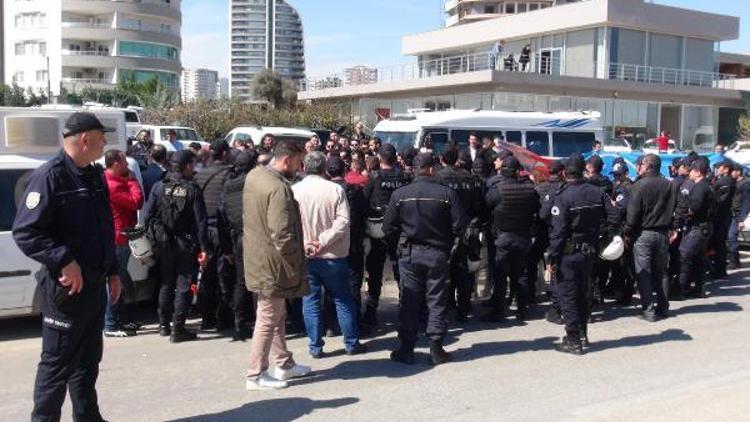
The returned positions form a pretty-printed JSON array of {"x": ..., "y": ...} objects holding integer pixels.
[
  {"x": 185, "y": 135},
  {"x": 256, "y": 134},
  {"x": 739, "y": 152}
]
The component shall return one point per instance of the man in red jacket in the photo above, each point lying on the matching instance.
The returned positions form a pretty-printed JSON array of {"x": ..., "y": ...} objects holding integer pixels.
[{"x": 126, "y": 198}]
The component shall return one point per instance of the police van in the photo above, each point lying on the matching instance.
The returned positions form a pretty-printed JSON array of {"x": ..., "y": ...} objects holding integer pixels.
[
  {"x": 28, "y": 138},
  {"x": 550, "y": 135}
]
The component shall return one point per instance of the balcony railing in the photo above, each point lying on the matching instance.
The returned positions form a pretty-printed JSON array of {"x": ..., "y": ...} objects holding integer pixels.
[
  {"x": 544, "y": 63},
  {"x": 86, "y": 81},
  {"x": 85, "y": 53},
  {"x": 83, "y": 24}
]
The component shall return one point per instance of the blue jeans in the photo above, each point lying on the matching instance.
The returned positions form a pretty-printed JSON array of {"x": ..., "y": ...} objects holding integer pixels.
[
  {"x": 733, "y": 242},
  {"x": 118, "y": 313},
  {"x": 333, "y": 274}
]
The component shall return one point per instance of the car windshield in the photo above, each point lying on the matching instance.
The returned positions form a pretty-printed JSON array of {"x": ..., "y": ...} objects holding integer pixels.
[
  {"x": 617, "y": 142},
  {"x": 182, "y": 134},
  {"x": 399, "y": 139}
]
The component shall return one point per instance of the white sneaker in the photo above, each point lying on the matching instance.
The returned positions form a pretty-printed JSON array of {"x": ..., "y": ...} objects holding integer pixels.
[
  {"x": 118, "y": 332},
  {"x": 295, "y": 371},
  {"x": 264, "y": 381}
]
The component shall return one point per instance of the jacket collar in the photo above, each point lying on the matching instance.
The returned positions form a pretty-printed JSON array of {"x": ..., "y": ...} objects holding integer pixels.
[{"x": 71, "y": 165}]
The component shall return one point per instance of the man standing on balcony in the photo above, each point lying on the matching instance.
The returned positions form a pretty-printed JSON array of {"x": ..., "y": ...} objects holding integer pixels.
[{"x": 496, "y": 54}]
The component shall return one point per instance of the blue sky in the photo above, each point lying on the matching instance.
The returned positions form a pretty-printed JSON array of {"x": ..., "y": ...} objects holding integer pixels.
[{"x": 342, "y": 33}]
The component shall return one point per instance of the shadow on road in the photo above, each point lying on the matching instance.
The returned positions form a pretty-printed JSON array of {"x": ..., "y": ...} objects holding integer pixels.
[
  {"x": 496, "y": 348},
  {"x": 273, "y": 410},
  {"x": 709, "y": 308},
  {"x": 638, "y": 341}
]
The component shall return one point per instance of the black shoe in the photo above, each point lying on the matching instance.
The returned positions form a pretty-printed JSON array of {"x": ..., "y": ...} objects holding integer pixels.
[
  {"x": 462, "y": 318},
  {"x": 208, "y": 324},
  {"x": 358, "y": 349},
  {"x": 241, "y": 335},
  {"x": 520, "y": 315},
  {"x": 553, "y": 316},
  {"x": 165, "y": 331},
  {"x": 317, "y": 355},
  {"x": 438, "y": 355},
  {"x": 662, "y": 314},
  {"x": 568, "y": 346},
  {"x": 403, "y": 356},
  {"x": 649, "y": 316},
  {"x": 180, "y": 335}
]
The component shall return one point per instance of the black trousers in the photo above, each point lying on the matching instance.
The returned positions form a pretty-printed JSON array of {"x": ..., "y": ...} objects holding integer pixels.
[
  {"x": 357, "y": 270},
  {"x": 217, "y": 284},
  {"x": 536, "y": 254},
  {"x": 422, "y": 284},
  {"x": 720, "y": 235},
  {"x": 574, "y": 290},
  {"x": 511, "y": 257},
  {"x": 461, "y": 282},
  {"x": 623, "y": 276},
  {"x": 375, "y": 263},
  {"x": 71, "y": 350},
  {"x": 692, "y": 257},
  {"x": 178, "y": 265},
  {"x": 241, "y": 298}
]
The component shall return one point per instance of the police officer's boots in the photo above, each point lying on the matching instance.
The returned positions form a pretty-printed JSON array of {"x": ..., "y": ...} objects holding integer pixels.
[
  {"x": 568, "y": 345},
  {"x": 404, "y": 354},
  {"x": 553, "y": 315},
  {"x": 180, "y": 333},
  {"x": 438, "y": 355}
]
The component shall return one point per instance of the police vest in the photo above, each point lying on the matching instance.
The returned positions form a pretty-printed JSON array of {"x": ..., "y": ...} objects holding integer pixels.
[
  {"x": 211, "y": 181},
  {"x": 515, "y": 212},
  {"x": 467, "y": 187},
  {"x": 233, "y": 202},
  {"x": 386, "y": 183},
  {"x": 175, "y": 209}
]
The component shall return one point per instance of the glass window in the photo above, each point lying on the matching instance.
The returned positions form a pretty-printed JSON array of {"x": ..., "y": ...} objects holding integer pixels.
[
  {"x": 398, "y": 139},
  {"x": 514, "y": 137},
  {"x": 137, "y": 49},
  {"x": 461, "y": 136},
  {"x": 182, "y": 134},
  {"x": 438, "y": 138},
  {"x": 12, "y": 186},
  {"x": 42, "y": 48},
  {"x": 510, "y": 8},
  {"x": 538, "y": 143},
  {"x": 20, "y": 49},
  {"x": 566, "y": 143}
]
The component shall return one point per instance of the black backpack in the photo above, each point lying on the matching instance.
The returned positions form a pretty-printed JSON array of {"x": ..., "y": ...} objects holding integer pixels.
[{"x": 168, "y": 222}]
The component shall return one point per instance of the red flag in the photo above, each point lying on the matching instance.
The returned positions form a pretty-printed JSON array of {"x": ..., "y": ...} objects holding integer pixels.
[{"x": 530, "y": 161}]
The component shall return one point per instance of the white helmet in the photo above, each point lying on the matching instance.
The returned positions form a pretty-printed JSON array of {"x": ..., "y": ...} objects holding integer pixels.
[
  {"x": 614, "y": 250},
  {"x": 140, "y": 245}
]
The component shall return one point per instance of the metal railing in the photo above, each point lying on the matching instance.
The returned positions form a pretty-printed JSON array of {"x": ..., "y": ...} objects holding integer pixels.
[
  {"x": 86, "y": 81},
  {"x": 545, "y": 63},
  {"x": 85, "y": 53},
  {"x": 84, "y": 24}
]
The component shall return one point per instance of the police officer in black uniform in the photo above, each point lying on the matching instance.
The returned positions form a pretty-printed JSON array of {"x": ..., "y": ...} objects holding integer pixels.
[
  {"x": 176, "y": 214},
  {"x": 218, "y": 276},
  {"x": 470, "y": 192},
  {"x": 431, "y": 218},
  {"x": 547, "y": 191},
  {"x": 725, "y": 187},
  {"x": 64, "y": 221},
  {"x": 623, "y": 270},
  {"x": 697, "y": 215},
  {"x": 515, "y": 208},
  {"x": 378, "y": 193},
  {"x": 601, "y": 268},
  {"x": 230, "y": 225},
  {"x": 577, "y": 210}
]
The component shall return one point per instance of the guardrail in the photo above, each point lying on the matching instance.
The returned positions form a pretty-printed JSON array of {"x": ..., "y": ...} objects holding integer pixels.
[{"x": 544, "y": 63}]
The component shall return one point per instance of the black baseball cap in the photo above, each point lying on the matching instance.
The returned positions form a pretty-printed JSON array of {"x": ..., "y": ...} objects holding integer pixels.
[
  {"x": 424, "y": 160},
  {"x": 83, "y": 121},
  {"x": 726, "y": 163}
]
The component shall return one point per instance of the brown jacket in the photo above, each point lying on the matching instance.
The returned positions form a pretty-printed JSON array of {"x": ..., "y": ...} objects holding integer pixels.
[{"x": 272, "y": 240}]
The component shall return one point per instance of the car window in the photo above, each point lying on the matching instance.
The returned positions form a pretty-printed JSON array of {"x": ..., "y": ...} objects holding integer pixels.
[
  {"x": 514, "y": 137},
  {"x": 12, "y": 186},
  {"x": 182, "y": 134},
  {"x": 538, "y": 143},
  {"x": 566, "y": 143}
]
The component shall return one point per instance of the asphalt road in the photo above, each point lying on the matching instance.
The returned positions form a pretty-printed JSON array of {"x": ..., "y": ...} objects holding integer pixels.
[{"x": 694, "y": 366}]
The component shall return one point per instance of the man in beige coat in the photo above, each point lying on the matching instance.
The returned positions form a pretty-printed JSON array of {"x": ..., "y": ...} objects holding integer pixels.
[{"x": 274, "y": 264}]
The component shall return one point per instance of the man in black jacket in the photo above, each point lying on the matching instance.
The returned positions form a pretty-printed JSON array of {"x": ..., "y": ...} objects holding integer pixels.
[
  {"x": 725, "y": 187},
  {"x": 515, "y": 206},
  {"x": 649, "y": 219}
]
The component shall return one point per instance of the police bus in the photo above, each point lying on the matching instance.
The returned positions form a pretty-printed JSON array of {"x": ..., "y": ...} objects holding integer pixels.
[
  {"x": 28, "y": 138},
  {"x": 545, "y": 134}
]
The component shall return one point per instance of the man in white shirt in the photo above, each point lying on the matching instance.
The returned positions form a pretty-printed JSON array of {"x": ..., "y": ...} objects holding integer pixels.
[{"x": 325, "y": 224}]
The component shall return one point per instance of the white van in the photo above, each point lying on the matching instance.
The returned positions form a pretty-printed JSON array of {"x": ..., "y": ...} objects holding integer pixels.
[
  {"x": 132, "y": 114},
  {"x": 256, "y": 134},
  {"x": 185, "y": 135},
  {"x": 28, "y": 138},
  {"x": 546, "y": 134}
]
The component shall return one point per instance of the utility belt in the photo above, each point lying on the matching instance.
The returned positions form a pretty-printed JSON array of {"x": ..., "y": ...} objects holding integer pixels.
[
  {"x": 405, "y": 247},
  {"x": 583, "y": 248},
  {"x": 705, "y": 227}
]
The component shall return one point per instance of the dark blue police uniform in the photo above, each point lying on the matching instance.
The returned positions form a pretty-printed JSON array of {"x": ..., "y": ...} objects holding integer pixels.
[
  {"x": 430, "y": 217},
  {"x": 698, "y": 230},
  {"x": 66, "y": 217}
]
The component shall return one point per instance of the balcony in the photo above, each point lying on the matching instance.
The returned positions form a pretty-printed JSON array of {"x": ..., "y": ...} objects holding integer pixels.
[
  {"x": 540, "y": 64},
  {"x": 84, "y": 24},
  {"x": 85, "y": 53}
]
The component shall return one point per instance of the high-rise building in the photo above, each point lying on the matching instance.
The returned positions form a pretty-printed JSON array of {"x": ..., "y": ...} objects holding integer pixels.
[
  {"x": 360, "y": 75},
  {"x": 264, "y": 34},
  {"x": 75, "y": 44},
  {"x": 222, "y": 88},
  {"x": 199, "y": 84}
]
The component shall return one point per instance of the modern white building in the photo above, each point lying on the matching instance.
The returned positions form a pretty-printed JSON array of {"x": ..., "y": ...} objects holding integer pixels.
[
  {"x": 644, "y": 67},
  {"x": 79, "y": 43},
  {"x": 264, "y": 34},
  {"x": 199, "y": 84},
  {"x": 222, "y": 88},
  {"x": 359, "y": 75}
]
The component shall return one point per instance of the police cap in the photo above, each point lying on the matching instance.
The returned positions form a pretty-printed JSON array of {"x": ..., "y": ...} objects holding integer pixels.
[
  {"x": 424, "y": 160},
  {"x": 619, "y": 167},
  {"x": 83, "y": 121},
  {"x": 574, "y": 165}
]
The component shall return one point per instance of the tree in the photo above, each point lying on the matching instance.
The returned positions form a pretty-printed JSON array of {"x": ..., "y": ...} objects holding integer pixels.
[
  {"x": 289, "y": 93},
  {"x": 743, "y": 128},
  {"x": 268, "y": 85}
]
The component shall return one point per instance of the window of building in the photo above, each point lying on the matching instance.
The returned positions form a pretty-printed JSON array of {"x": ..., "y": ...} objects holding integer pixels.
[
  {"x": 510, "y": 8},
  {"x": 521, "y": 7},
  {"x": 158, "y": 51},
  {"x": 533, "y": 6},
  {"x": 41, "y": 75},
  {"x": 489, "y": 9},
  {"x": 18, "y": 76},
  {"x": 42, "y": 48},
  {"x": 20, "y": 49},
  {"x": 538, "y": 143}
]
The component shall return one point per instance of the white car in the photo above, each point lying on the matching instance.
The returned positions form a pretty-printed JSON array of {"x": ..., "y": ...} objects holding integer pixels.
[
  {"x": 185, "y": 135},
  {"x": 617, "y": 145},
  {"x": 739, "y": 152},
  {"x": 256, "y": 134},
  {"x": 649, "y": 147}
]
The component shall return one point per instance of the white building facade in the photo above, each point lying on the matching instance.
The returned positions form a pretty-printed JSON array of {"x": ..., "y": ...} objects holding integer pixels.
[
  {"x": 72, "y": 44},
  {"x": 199, "y": 85},
  {"x": 264, "y": 34},
  {"x": 644, "y": 67}
]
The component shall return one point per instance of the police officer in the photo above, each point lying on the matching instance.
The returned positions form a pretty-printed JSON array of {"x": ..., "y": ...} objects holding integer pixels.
[
  {"x": 515, "y": 207},
  {"x": 576, "y": 212},
  {"x": 547, "y": 191},
  {"x": 176, "y": 213},
  {"x": 740, "y": 209},
  {"x": 697, "y": 214},
  {"x": 725, "y": 187},
  {"x": 647, "y": 228},
  {"x": 65, "y": 223},
  {"x": 623, "y": 270},
  {"x": 469, "y": 190},
  {"x": 601, "y": 268},
  {"x": 230, "y": 225},
  {"x": 218, "y": 276},
  {"x": 378, "y": 193},
  {"x": 430, "y": 216}
]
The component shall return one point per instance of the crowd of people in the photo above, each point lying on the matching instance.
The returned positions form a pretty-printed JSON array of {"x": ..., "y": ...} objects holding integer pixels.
[{"x": 256, "y": 233}]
